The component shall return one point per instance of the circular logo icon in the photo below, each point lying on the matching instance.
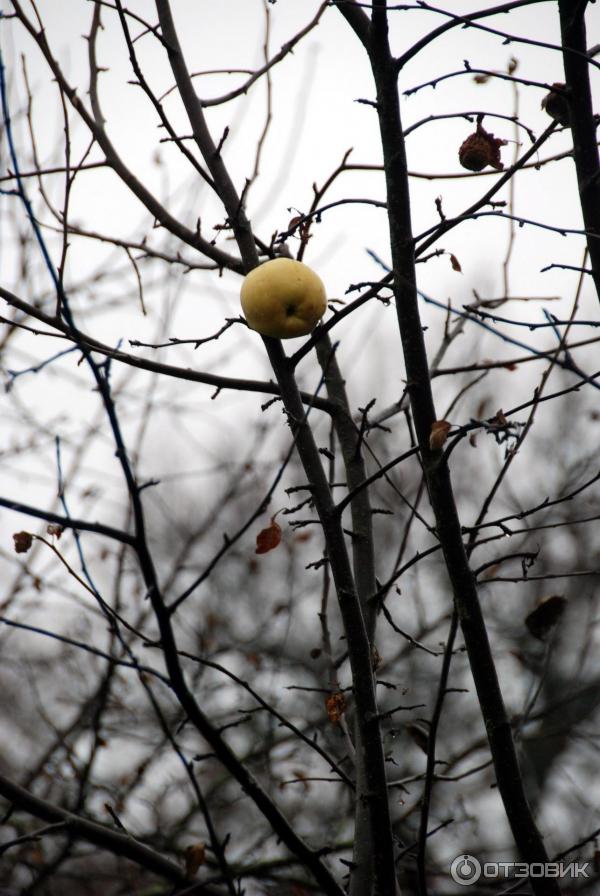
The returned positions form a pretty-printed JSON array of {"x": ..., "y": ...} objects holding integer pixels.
[{"x": 465, "y": 870}]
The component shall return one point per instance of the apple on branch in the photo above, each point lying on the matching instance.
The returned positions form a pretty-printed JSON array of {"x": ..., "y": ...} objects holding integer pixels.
[{"x": 283, "y": 298}]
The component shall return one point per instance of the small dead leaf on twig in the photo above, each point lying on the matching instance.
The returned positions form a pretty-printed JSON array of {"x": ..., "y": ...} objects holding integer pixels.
[
  {"x": 546, "y": 615},
  {"x": 455, "y": 263},
  {"x": 195, "y": 856},
  {"x": 300, "y": 778},
  {"x": 302, "y": 226},
  {"x": 336, "y": 707},
  {"x": 268, "y": 539},
  {"x": 439, "y": 434},
  {"x": 55, "y": 530},
  {"x": 556, "y": 104},
  {"x": 23, "y": 541}
]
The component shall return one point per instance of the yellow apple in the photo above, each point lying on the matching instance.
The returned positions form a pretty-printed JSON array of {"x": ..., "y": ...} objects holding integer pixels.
[{"x": 283, "y": 298}]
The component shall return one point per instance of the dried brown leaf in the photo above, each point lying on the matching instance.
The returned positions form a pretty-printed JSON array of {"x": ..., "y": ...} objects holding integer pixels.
[
  {"x": 556, "y": 105},
  {"x": 439, "y": 434},
  {"x": 23, "y": 541},
  {"x": 546, "y": 615},
  {"x": 55, "y": 530},
  {"x": 195, "y": 856},
  {"x": 268, "y": 539},
  {"x": 336, "y": 707}
]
